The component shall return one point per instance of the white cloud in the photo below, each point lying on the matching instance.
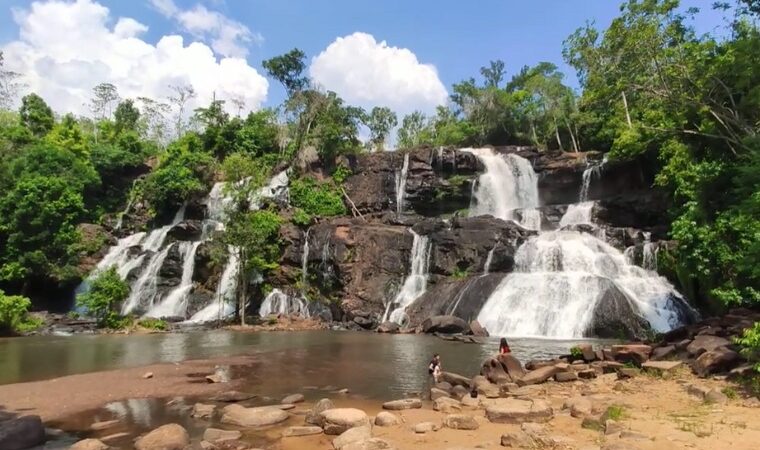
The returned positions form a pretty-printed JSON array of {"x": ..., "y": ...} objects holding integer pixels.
[
  {"x": 66, "y": 48},
  {"x": 227, "y": 37},
  {"x": 369, "y": 73}
]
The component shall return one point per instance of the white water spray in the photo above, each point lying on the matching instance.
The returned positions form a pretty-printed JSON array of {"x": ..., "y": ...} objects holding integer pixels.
[
  {"x": 559, "y": 278},
  {"x": 279, "y": 303},
  {"x": 224, "y": 302},
  {"x": 175, "y": 303}
]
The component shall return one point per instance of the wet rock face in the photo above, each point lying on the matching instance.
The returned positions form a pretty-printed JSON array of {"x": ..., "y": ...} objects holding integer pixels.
[
  {"x": 462, "y": 298},
  {"x": 615, "y": 317}
]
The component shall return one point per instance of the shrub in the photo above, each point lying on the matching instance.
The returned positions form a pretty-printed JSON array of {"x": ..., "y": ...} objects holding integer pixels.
[
  {"x": 106, "y": 291},
  {"x": 576, "y": 352},
  {"x": 153, "y": 324},
  {"x": 14, "y": 315},
  {"x": 317, "y": 199},
  {"x": 460, "y": 273},
  {"x": 750, "y": 342},
  {"x": 341, "y": 173},
  {"x": 301, "y": 218}
]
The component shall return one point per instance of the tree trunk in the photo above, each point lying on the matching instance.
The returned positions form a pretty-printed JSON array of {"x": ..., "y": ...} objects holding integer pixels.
[
  {"x": 627, "y": 113},
  {"x": 535, "y": 136},
  {"x": 572, "y": 137},
  {"x": 243, "y": 286},
  {"x": 556, "y": 133}
]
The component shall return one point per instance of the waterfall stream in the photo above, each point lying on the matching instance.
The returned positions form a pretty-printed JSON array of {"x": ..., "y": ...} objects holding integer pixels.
[
  {"x": 508, "y": 184},
  {"x": 224, "y": 302},
  {"x": 401, "y": 185},
  {"x": 175, "y": 303},
  {"x": 414, "y": 284},
  {"x": 279, "y": 303}
]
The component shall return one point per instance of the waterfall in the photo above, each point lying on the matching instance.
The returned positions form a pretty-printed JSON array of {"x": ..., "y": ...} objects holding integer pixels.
[
  {"x": 489, "y": 259},
  {"x": 118, "y": 255},
  {"x": 276, "y": 188},
  {"x": 559, "y": 278},
  {"x": 156, "y": 238},
  {"x": 577, "y": 214},
  {"x": 414, "y": 284},
  {"x": 279, "y": 303},
  {"x": 224, "y": 302},
  {"x": 508, "y": 183},
  {"x": 401, "y": 185},
  {"x": 591, "y": 171},
  {"x": 175, "y": 303},
  {"x": 145, "y": 290},
  {"x": 305, "y": 261}
]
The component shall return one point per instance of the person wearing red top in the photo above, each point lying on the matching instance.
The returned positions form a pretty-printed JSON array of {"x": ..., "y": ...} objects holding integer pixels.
[{"x": 504, "y": 347}]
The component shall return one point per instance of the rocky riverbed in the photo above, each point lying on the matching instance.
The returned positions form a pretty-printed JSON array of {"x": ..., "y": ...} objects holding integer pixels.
[{"x": 632, "y": 396}]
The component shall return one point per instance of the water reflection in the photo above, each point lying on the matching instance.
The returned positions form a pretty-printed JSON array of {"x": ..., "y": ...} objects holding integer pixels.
[{"x": 370, "y": 364}]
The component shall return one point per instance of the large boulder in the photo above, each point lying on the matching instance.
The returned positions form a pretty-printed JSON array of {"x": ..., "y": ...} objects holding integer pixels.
[
  {"x": 721, "y": 359},
  {"x": 253, "y": 417},
  {"x": 337, "y": 420},
  {"x": 386, "y": 419},
  {"x": 460, "y": 297},
  {"x": 352, "y": 435},
  {"x": 21, "y": 433},
  {"x": 615, "y": 315},
  {"x": 514, "y": 411},
  {"x": 538, "y": 376},
  {"x": 445, "y": 324},
  {"x": 167, "y": 437},
  {"x": 636, "y": 354},
  {"x": 478, "y": 330},
  {"x": 706, "y": 343},
  {"x": 312, "y": 417},
  {"x": 455, "y": 379}
]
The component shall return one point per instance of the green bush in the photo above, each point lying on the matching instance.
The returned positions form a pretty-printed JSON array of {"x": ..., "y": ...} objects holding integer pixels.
[
  {"x": 301, "y": 218},
  {"x": 317, "y": 199},
  {"x": 341, "y": 173},
  {"x": 106, "y": 291},
  {"x": 460, "y": 273},
  {"x": 14, "y": 315},
  {"x": 750, "y": 342},
  {"x": 153, "y": 324},
  {"x": 576, "y": 352}
]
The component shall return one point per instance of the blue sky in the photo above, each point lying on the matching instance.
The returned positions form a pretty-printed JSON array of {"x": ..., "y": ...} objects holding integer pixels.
[{"x": 457, "y": 39}]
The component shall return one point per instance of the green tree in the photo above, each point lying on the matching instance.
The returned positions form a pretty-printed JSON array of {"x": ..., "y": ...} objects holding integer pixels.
[
  {"x": 14, "y": 317},
  {"x": 380, "y": 121},
  {"x": 36, "y": 115},
  {"x": 104, "y": 95},
  {"x": 415, "y": 130},
  {"x": 126, "y": 117},
  {"x": 105, "y": 293},
  {"x": 288, "y": 70}
]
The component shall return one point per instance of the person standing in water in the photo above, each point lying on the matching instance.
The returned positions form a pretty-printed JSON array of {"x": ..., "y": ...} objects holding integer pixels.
[
  {"x": 504, "y": 347},
  {"x": 434, "y": 368}
]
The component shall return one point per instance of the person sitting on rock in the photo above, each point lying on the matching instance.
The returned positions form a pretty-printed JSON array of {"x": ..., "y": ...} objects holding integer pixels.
[{"x": 504, "y": 347}]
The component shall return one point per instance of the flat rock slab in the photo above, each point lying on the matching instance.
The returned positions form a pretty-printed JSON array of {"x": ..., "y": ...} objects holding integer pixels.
[
  {"x": 217, "y": 435},
  {"x": 203, "y": 411},
  {"x": 232, "y": 397},
  {"x": 291, "y": 399},
  {"x": 663, "y": 366},
  {"x": 538, "y": 376},
  {"x": 515, "y": 411},
  {"x": 337, "y": 420},
  {"x": 447, "y": 405},
  {"x": 99, "y": 426},
  {"x": 407, "y": 403},
  {"x": 253, "y": 417},
  {"x": 425, "y": 427},
  {"x": 89, "y": 444},
  {"x": 301, "y": 431},
  {"x": 460, "y": 422}
]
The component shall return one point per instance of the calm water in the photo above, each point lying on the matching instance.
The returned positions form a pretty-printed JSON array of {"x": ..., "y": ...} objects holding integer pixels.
[
  {"x": 373, "y": 365},
  {"x": 316, "y": 363}
]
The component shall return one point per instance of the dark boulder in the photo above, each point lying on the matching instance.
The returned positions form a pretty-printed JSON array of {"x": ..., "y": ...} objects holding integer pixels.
[
  {"x": 21, "y": 433},
  {"x": 445, "y": 324},
  {"x": 719, "y": 360},
  {"x": 388, "y": 327},
  {"x": 615, "y": 316},
  {"x": 478, "y": 330},
  {"x": 461, "y": 298},
  {"x": 188, "y": 230}
]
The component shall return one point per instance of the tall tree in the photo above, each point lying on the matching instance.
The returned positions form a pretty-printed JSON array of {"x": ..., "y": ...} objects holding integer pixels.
[
  {"x": 182, "y": 95},
  {"x": 36, "y": 115},
  {"x": 105, "y": 95},
  {"x": 127, "y": 116},
  {"x": 380, "y": 121},
  {"x": 10, "y": 85},
  {"x": 288, "y": 70}
]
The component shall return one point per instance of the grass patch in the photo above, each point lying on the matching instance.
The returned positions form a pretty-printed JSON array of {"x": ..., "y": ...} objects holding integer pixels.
[
  {"x": 730, "y": 392},
  {"x": 614, "y": 412},
  {"x": 153, "y": 324}
]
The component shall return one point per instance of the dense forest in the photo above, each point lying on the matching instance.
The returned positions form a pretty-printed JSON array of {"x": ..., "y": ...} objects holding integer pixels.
[{"x": 652, "y": 88}]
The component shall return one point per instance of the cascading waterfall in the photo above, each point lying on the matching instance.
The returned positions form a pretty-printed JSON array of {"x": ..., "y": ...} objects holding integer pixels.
[
  {"x": 649, "y": 253},
  {"x": 414, "y": 284},
  {"x": 577, "y": 214},
  {"x": 508, "y": 184},
  {"x": 559, "y": 278},
  {"x": 144, "y": 291},
  {"x": 279, "y": 303},
  {"x": 224, "y": 302},
  {"x": 401, "y": 185},
  {"x": 175, "y": 303}
]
